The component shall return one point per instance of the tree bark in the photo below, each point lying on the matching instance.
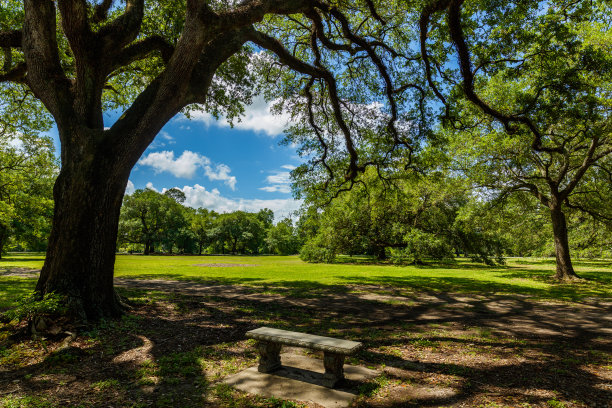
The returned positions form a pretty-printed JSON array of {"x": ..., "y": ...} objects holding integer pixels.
[
  {"x": 2, "y": 241},
  {"x": 565, "y": 270},
  {"x": 81, "y": 254}
]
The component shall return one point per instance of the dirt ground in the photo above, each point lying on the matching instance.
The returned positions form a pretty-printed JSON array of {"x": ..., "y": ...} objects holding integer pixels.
[{"x": 435, "y": 349}]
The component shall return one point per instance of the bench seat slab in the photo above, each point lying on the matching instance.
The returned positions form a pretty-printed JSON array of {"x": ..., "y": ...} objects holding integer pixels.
[{"x": 311, "y": 341}]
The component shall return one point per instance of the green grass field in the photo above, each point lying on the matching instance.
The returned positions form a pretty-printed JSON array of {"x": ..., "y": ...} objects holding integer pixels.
[
  {"x": 435, "y": 340},
  {"x": 526, "y": 276}
]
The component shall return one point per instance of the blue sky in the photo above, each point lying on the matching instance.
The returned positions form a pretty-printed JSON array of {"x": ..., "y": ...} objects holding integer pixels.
[{"x": 218, "y": 167}]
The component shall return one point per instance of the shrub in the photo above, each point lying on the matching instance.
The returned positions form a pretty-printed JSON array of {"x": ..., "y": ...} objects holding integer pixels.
[
  {"x": 421, "y": 245},
  {"x": 31, "y": 305},
  {"x": 314, "y": 251}
]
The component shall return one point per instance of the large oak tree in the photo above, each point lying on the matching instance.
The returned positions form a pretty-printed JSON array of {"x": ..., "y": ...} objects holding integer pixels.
[
  {"x": 156, "y": 59},
  {"x": 528, "y": 98}
]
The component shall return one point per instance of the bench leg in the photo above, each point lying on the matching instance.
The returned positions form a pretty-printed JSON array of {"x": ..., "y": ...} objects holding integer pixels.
[
  {"x": 269, "y": 356},
  {"x": 334, "y": 369}
]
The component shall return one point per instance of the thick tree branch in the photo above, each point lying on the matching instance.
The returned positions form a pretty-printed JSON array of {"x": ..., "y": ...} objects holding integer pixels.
[
  {"x": 320, "y": 31},
  {"x": 11, "y": 38},
  {"x": 16, "y": 74},
  {"x": 124, "y": 29},
  {"x": 374, "y": 13},
  {"x": 251, "y": 12},
  {"x": 141, "y": 49},
  {"x": 45, "y": 75},
  {"x": 101, "y": 11},
  {"x": 75, "y": 24},
  {"x": 426, "y": 14}
]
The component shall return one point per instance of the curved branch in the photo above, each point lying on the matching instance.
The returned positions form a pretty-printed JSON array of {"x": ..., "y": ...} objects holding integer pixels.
[
  {"x": 124, "y": 29},
  {"x": 423, "y": 29},
  {"x": 251, "y": 12},
  {"x": 465, "y": 66},
  {"x": 45, "y": 76},
  {"x": 316, "y": 71},
  {"x": 11, "y": 38},
  {"x": 382, "y": 70},
  {"x": 374, "y": 13},
  {"x": 320, "y": 32},
  {"x": 101, "y": 11},
  {"x": 16, "y": 74},
  {"x": 141, "y": 50}
]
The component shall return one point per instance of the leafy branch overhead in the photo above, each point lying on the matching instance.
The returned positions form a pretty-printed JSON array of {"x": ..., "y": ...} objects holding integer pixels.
[{"x": 339, "y": 55}]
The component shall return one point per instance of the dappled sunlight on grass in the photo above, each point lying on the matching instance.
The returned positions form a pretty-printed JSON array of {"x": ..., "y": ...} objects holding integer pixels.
[
  {"x": 289, "y": 276},
  {"x": 13, "y": 289}
]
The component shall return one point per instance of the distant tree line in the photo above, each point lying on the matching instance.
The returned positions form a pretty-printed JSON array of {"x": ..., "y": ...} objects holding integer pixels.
[
  {"x": 438, "y": 215},
  {"x": 153, "y": 222}
]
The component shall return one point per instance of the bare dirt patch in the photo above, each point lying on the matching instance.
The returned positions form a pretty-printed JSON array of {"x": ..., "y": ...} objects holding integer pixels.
[
  {"x": 434, "y": 349},
  {"x": 222, "y": 265}
]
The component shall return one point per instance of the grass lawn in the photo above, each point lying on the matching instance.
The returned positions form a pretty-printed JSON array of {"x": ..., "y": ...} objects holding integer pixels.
[
  {"x": 444, "y": 335},
  {"x": 522, "y": 276}
]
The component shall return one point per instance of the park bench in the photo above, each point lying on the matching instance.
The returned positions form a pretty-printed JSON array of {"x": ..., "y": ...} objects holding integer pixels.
[{"x": 270, "y": 341}]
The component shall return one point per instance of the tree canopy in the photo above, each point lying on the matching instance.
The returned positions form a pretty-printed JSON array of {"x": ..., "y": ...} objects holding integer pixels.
[{"x": 369, "y": 85}]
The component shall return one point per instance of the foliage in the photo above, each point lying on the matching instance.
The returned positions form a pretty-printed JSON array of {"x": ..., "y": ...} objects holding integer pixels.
[
  {"x": 317, "y": 252},
  {"x": 282, "y": 238},
  {"x": 152, "y": 221},
  {"x": 420, "y": 246},
  {"x": 32, "y": 305},
  {"x": 411, "y": 217},
  {"x": 151, "y": 218},
  {"x": 27, "y": 171}
]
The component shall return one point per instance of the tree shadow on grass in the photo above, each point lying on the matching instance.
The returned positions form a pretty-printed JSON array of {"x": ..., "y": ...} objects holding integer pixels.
[
  {"x": 173, "y": 347},
  {"x": 595, "y": 263},
  {"x": 13, "y": 289},
  {"x": 200, "y": 285},
  {"x": 24, "y": 259}
]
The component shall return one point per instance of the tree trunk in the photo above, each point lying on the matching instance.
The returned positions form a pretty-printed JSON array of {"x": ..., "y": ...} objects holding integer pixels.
[
  {"x": 81, "y": 254},
  {"x": 381, "y": 254},
  {"x": 3, "y": 237},
  {"x": 565, "y": 270},
  {"x": 147, "y": 248}
]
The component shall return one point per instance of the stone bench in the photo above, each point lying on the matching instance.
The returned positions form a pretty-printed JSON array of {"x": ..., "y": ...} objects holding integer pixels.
[{"x": 270, "y": 341}]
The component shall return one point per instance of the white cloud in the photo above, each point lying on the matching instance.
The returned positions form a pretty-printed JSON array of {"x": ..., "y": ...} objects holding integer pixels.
[
  {"x": 150, "y": 187},
  {"x": 186, "y": 166},
  {"x": 288, "y": 167},
  {"x": 257, "y": 117},
  {"x": 281, "y": 177},
  {"x": 222, "y": 173},
  {"x": 129, "y": 188},
  {"x": 279, "y": 181},
  {"x": 199, "y": 197},
  {"x": 283, "y": 188},
  {"x": 165, "y": 135}
]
